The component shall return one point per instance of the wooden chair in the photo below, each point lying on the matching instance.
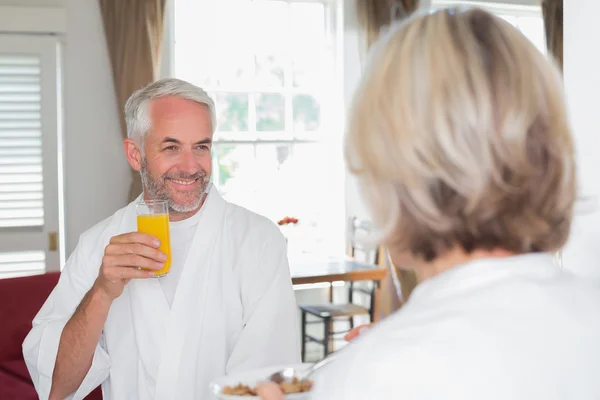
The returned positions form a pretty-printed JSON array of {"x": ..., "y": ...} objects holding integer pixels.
[{"x": 327, "y": 313}]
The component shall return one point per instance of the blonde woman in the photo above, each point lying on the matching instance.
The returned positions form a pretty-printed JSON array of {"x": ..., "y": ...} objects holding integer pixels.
[{"x": 460, "y": 138}]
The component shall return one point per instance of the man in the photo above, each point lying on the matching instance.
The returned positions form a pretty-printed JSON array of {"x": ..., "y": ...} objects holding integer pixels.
[{"x": 226, "y": 305}]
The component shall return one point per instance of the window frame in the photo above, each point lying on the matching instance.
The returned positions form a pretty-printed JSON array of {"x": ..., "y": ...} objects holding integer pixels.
[{"x": 331, "y": 127}]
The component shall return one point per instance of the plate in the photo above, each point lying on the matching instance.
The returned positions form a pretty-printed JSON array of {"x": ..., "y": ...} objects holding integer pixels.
[{"x": 251, "y": 378}]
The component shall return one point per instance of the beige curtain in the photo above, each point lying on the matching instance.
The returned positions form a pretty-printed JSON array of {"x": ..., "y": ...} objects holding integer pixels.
[
  {"x": 133, "y": 30},
  {"x": 373, "y": 17},
  {"x": 553, "y": 23}
]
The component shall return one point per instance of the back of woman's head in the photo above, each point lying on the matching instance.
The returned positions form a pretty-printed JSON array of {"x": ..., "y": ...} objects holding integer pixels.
[{"x": 459, "y": 136}]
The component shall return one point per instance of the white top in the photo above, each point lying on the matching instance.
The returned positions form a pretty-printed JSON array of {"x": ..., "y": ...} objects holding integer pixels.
[
  {"x": 181, "y": 235},
  {"x": 517, "y": 328},
  {"x": 233, "y": 310}
]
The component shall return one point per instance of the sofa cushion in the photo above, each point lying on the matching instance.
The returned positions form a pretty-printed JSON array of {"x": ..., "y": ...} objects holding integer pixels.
[
  {"x": 12, "y": 388},
  {"x": 21, "y": 299},
  {"x": 16, "y": 368}
]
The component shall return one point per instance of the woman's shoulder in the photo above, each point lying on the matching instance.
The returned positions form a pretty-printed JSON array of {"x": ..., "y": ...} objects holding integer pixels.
[{"x": 375, "y": 367}]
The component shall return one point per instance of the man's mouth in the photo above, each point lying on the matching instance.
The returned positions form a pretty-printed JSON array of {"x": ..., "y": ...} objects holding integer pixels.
[{"x": 183, "y": 181}]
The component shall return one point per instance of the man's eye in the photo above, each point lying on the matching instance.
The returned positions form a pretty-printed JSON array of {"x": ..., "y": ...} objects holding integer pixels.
[{"x": 170, "y": 148}]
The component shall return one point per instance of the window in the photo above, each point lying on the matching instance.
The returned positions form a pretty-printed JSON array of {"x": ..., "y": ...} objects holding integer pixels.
[
  {"x": 272, "y": 67},
  {"x": 29, "y": 195},
  {"x": 527, "y": 18}
]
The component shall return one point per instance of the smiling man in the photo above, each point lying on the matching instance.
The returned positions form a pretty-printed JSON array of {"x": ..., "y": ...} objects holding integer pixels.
[{"x": 227, "y": 303}]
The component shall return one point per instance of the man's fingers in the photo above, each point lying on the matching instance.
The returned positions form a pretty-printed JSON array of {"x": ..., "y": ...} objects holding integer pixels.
[
  {"x": 134, "y": 273},
  {"x": 152, "y": 253},
  {"x": 136, "y": 237},
  {"x": 127, "y": 273},
  {"x": 131, "y": 260}
]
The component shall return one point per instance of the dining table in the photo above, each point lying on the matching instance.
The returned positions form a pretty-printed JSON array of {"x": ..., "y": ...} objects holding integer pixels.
[{"x": 335, "y": 270}]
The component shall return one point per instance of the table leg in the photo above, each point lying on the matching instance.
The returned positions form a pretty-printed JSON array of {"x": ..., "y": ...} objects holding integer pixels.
[{"x": 376, "y": 301}]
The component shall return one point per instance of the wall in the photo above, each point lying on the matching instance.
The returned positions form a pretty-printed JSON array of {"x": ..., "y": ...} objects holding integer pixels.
[
  {"x": 96, "y": 173},
  {"x": 32, "y": 3},
  {"x": 582, "y": 85},
  {"x": 354, "y": 49}
]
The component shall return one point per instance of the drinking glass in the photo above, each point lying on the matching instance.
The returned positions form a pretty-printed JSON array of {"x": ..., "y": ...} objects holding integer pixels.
[{"x": 153, "y": 219}]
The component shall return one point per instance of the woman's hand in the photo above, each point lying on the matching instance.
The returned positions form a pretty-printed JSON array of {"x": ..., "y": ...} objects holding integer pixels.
[
  {"x": 354, "y": 333},
  {"x": 269, "y": 391}
]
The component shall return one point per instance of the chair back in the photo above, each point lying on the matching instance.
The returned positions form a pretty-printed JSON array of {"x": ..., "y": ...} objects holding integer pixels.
[{"x": 362, "y": 238}]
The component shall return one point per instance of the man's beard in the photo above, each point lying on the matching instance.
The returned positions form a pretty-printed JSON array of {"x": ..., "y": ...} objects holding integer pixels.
[{"x": 158, "y": 189}]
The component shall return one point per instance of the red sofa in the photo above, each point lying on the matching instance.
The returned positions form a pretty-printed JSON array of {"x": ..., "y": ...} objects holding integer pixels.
[{"x": 20, "y": 300}]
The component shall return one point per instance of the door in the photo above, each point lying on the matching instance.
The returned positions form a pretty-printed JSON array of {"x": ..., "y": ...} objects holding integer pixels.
[{"x": 29, "y": 169}]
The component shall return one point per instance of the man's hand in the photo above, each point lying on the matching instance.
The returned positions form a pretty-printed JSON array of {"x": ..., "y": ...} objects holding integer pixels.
[
  {"x": 354, "y": 333},
  {"x": 126, "y": 257}
]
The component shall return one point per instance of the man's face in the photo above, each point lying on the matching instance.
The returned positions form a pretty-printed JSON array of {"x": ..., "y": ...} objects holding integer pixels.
[{"x": 177, "y": 163}]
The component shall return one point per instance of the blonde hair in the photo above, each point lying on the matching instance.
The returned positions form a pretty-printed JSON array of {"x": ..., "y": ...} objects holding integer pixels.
[{"x": 459, "y": 136}]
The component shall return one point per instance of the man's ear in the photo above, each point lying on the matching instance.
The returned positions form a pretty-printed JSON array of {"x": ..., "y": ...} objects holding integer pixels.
[{"x": 133, "y": 154}]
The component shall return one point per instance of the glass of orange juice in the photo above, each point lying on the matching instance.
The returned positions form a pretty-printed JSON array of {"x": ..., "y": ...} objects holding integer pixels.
[{"x": 153, "y": 219}]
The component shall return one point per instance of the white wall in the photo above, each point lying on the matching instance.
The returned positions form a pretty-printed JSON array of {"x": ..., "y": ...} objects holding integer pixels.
[
  {"x": 96, "y": 173},
  {"x": 31, "y": 3},
  {"x": 582, "y": 85},
  {"x": 354, "y": 49}
]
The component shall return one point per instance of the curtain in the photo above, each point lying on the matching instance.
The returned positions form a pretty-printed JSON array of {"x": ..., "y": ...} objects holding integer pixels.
[
  {"x": 552, "y": 11},
  {"x": 375, "y": 15},
  {"x": 133, "y": 30}
]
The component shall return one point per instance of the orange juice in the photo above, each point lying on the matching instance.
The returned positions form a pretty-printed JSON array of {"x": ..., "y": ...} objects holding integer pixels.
[{"x": 157, "y": 225}]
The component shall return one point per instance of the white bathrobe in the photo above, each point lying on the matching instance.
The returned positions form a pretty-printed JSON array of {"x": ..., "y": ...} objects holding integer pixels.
[
  {"x": 517, "y": 328},
  {"x": 234, "y": 309}
]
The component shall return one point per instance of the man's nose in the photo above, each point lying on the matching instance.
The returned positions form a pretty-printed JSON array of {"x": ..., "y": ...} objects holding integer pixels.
[{"x": 188, "y": 163}]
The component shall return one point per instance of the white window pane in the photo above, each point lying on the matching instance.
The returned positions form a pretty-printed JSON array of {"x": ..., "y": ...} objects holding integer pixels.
[
  {"x": 308, "y": 172},
  {"x": 270, "y": 112},
  {"x": 311, "y": 53},
  {"x": 270, "y": 26},
  {"x": 307, "y": 113},
  {"x": 308, "y": 26},
  {"x": 312, "y": 71},
  {"x": 270, "y": 70},
  {"x": 533, "y": 28},
  {"x": 279, "y": 180},
  {"x": 22, "y": 263},
  {"x": 510, "y": 19},
  {"x": 232, "y": 111},
  {"x": 234, "y": 173},
  {"x": 208, "y": 51}
]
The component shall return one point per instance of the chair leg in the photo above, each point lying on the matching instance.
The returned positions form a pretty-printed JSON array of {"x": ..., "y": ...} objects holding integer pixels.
[
  {"x": 373, "y": 302},
  {"x": 303, "y": 354},
  {"x": 326, "y": 333}
]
